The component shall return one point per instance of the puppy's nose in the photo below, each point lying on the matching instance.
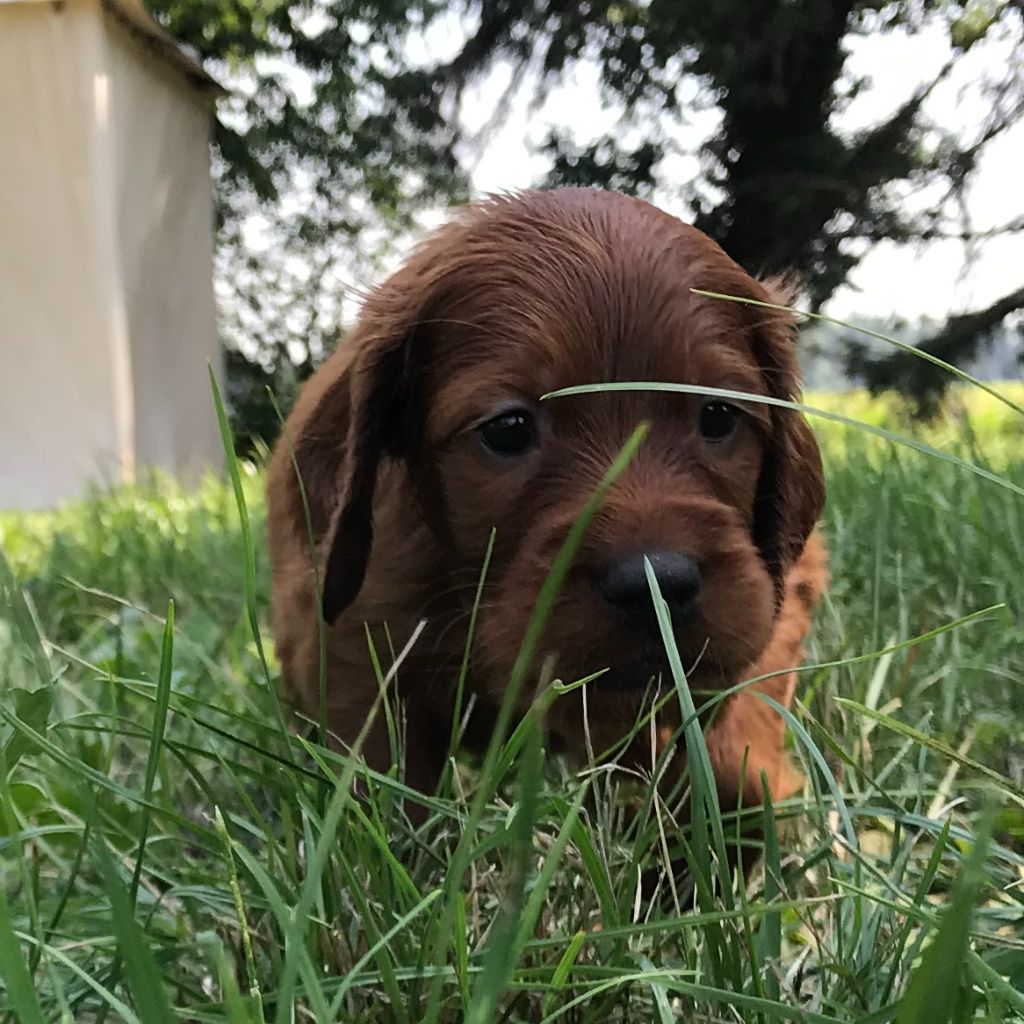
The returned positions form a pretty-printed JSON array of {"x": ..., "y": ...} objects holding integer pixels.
[{"x": 623, "y": 584}]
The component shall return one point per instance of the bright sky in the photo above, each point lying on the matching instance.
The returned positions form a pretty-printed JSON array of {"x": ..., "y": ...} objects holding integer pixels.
[{"x": 909, "y": 281}]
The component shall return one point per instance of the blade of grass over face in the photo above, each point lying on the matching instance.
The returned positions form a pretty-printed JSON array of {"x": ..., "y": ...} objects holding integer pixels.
[
  {"x": 705, "y": 812},
  {"x": 782, "y": 403},
  {"x": 919, "y": 353},
  {"x": 524, "y": 660}
]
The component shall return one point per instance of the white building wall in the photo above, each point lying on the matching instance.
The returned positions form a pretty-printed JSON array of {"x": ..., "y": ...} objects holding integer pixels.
[
  {"x": 164, "y": 212},
  {"x": 106, "y": 298},
  {"x": 57, "y": 422}
]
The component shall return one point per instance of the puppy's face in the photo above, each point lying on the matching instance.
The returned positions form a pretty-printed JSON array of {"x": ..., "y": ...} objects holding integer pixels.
[
  {"x": 530, "y": 296},
  {"x": 507, "y": 460}
]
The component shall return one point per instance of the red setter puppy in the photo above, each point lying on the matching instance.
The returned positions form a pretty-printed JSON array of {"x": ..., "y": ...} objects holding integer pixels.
[{"x": 425, "y": 430}]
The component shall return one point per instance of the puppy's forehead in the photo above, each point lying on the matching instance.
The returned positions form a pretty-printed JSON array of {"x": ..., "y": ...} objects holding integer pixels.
[{"x": 579, "y": 287}]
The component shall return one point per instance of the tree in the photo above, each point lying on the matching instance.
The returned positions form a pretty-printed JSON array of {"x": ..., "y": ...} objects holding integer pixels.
[{"x": 378, "y": 137}]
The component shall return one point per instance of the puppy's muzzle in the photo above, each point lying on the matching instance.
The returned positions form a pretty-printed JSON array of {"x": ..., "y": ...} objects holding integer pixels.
[{"x": 624, "y": 587}]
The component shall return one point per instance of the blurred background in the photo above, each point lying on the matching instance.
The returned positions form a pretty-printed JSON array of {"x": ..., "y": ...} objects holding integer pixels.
[{"x": 872, "y": 150}]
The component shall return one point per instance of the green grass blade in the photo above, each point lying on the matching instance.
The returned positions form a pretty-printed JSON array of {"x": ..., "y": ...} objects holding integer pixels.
[
  {"x": 19, "y": 606},
  {"x": 770, "y": 932},
  {"x": 658, "y": 992},
  {"x": 702, "y": 776},
  {"x": 563, "y": 969},
  {"x": 237, "y": 1012},
  {"x": 935, "y": 992},
  {"x": 812, "y": 749},
  {"x": 535, "y": 904},
  {"x": 122, "y": 1009},
  {"x": 677, "y": 981},
  {"x": 506, "y": 936},
  {"x": 248, "y": 549},
  {"x": 920, "y": 897},
  {"x": 141, "y": 973},
  {"x": 20, "y": 990},
  {"x": 489, "y": 780},
  {"x": 240, "y": 914},
  {"x": 460, "y": 686},
  {"x": 400, "y": 925},
  {"x": 163, "y": 696},
  {"x": 947, "y": 751},
  {"x": 32, "y": 707},
  {"x": 987, "y": 975},
  {"x": 314, "y": 988}
]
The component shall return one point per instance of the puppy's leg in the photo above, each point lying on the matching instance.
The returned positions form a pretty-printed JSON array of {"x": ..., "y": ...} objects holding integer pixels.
[
  {"x": 747, "y": 727},
  {"x": 411, "y": 742}
]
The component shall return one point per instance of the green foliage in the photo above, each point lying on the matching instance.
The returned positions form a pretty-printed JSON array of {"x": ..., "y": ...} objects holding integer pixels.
[{"x": 266, "y": 889}]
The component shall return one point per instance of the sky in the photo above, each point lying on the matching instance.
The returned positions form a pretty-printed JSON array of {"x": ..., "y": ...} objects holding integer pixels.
[
  {"x": 892, "y": 281},
  {"x": 911, "y": 282}
]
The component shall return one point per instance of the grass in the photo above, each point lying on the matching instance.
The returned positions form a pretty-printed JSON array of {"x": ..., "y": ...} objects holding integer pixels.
[{"x": 169, "y": 852}]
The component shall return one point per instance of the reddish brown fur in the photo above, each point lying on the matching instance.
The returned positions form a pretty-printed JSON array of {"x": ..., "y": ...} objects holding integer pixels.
[{"x": 516, "y": 297}]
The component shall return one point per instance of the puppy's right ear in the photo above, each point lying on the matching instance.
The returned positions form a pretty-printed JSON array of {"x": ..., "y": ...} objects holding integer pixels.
[
  {"x": 384, "y": 411},
  {"x": 365, "y": 405}
]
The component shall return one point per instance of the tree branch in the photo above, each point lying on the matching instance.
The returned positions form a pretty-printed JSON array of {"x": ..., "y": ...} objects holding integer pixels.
[{"x": 957, "y": 342}]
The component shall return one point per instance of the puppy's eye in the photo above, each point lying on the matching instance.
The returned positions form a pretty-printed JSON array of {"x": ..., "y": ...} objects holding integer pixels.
[
  {"x": 510, "y": 433},
  {"x": 718, "y": 420}
]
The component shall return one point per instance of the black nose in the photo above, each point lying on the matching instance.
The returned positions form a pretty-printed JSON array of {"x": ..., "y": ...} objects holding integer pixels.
[{"x": 623, "y": 584}]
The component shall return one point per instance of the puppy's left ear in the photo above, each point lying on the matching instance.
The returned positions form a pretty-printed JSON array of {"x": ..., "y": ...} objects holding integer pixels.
[{"x": 791, "y": 488}]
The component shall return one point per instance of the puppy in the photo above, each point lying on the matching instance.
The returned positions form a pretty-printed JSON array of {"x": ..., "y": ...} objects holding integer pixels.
[{"x": 425, "y": 430}]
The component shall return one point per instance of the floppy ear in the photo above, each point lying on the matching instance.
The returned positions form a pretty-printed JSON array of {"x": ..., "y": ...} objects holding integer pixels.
[
  {"x": 362, "y": 406},
  {"x": 791, "y": 488},
  {"x": 383, "y": 402}
]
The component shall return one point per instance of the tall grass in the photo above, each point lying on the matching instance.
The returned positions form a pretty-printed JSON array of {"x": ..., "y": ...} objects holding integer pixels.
[{"x": 166, "y": 852}]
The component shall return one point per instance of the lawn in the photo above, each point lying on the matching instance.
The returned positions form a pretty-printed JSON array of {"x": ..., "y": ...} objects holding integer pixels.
[{"x": 169, "y": 849}]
